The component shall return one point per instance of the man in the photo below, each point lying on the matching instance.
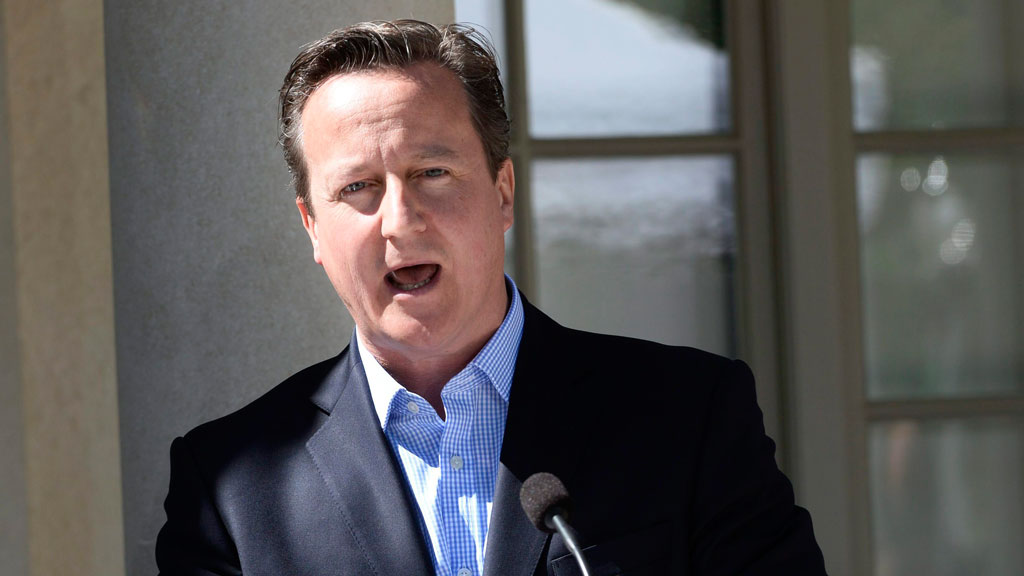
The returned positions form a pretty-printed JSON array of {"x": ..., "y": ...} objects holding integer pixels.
[{"x": 405, "y": 454}]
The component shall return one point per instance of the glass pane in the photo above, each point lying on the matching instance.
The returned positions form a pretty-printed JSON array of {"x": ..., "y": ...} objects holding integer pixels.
[
  {"x": 488, "y": 17},
  {"x": 928, "y": 64},
  {"x": 626, "y": 67},
  {"x": 639, "y": 247},
  {"x": 947, "y": 497},
  {"x": 941, "y": 274}
]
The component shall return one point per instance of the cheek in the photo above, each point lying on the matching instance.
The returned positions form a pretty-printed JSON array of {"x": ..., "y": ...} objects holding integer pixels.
[
  {"x": 343, "y": 248},
  {"x": 484, "y": 239},
  {"x": 354, "y": 274}
]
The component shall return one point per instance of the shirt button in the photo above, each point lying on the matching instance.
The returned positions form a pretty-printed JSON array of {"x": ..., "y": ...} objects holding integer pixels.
[
  {"x": 464, "y": 571},
  {"x": 413, "y": 407},
  {"x": 456, "y": 462}
]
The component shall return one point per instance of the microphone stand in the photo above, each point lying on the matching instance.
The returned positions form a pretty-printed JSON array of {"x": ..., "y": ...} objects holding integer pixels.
[{"x": 570, "y": 541}]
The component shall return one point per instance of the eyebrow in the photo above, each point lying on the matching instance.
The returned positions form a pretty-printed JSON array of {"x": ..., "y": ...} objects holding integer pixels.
[{"x": 436, "y": 151}]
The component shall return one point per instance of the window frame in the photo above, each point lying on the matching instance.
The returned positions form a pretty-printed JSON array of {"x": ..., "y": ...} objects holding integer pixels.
[{"x": 816, "y": 157}]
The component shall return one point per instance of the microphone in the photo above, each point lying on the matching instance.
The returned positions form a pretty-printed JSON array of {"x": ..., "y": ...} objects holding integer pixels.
[{"x": 546, "y": 503}]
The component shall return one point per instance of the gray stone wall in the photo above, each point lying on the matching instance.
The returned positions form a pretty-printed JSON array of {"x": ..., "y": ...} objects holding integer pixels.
[{"x": 217, "y": 297}]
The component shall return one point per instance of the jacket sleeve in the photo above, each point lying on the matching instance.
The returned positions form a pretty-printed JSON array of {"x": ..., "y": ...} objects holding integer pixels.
[
  {"x": 194, "y": 541},
  {"x": 745, "y": 518}
]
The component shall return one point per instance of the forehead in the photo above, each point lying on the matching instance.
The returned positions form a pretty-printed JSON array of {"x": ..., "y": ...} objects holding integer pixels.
[{"x": 422, "y": 95}]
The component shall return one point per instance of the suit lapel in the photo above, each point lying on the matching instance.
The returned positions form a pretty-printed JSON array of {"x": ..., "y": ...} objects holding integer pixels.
[
  {"x": 356, "y": 462},
  {"x": 540, "y": 436},
  {"x": 514, "y": 545}
]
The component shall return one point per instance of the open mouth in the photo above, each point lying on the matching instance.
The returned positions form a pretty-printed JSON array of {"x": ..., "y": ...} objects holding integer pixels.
[{"x": 412, "y": 278}]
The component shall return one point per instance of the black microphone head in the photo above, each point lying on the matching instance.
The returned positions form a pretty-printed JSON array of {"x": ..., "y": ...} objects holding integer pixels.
[{"x": 542, "y": 496}]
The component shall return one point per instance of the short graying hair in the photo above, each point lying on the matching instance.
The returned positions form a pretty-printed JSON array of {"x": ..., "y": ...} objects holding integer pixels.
[{"x": 396, "y": 44}]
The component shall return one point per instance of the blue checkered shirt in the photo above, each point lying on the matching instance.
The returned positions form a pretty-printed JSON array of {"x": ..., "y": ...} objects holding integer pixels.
[{"x": 451, "y": 465}]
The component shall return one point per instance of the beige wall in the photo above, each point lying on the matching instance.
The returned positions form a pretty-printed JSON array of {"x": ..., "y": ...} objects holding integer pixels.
[{"x": 59, "y": 218}]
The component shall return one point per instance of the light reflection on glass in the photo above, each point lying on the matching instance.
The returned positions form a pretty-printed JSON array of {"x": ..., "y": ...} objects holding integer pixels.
[
  {"x": 941, "y": 278},
  {"x": 937, "y": 180},
  {"x": 910, "y": 179},
  {"x": 963, "y": 234},
  {"x": 950, "y": 253},
  {"x": 954, "y": 249}
]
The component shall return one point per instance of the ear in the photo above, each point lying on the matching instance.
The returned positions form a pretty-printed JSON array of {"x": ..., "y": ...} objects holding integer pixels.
[
  {"x": 309, "y": 223},
  {"x": 506, "y": 185}
]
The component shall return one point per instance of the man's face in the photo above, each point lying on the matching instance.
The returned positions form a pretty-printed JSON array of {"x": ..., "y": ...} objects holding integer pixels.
[{"x": 407, "y": 221}]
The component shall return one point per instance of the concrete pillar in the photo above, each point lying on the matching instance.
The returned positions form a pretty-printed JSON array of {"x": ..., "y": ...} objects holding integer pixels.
[
  {"x": 217, "y": 296},
  {"x": 59, "y": 393},
  {"x": 13, "y": 521}
]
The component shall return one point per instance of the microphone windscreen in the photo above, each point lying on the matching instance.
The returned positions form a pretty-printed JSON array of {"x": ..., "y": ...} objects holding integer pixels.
[{"x": 541, "y": 493}]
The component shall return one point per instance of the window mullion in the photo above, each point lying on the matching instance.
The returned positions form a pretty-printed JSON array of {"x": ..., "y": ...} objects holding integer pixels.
[
  {"x": 525, "y": 265},
  {"x": 635, "y": 146},
  {"x": 945, "y": 408},
  {"x": 757, "y": 307},
  {"x": 915, "y": 140}
]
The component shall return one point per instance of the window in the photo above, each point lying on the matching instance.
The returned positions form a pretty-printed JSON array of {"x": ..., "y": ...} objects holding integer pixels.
[
  {"x": 638, "y": 139},
  {"x": 938, "y": 115}
]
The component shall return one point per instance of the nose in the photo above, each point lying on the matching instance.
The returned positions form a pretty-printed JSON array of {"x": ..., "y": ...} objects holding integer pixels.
[{"x": 400, "y": 212}]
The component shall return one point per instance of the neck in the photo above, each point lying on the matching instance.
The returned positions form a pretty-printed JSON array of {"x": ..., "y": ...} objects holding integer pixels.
[
  {"x": 428, "y": 376},
  {"x": 426, "y": 371}
]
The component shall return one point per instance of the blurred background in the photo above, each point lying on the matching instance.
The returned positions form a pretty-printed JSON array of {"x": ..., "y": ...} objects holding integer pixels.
[{"x": 828, "y": 190}]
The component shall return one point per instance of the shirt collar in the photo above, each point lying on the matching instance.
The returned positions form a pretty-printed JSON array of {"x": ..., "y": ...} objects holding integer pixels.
[{"x": 497, "y": 360}]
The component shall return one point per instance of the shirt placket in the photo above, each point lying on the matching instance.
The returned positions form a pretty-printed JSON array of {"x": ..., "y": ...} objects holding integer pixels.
[{"x": 457, "y": 475}]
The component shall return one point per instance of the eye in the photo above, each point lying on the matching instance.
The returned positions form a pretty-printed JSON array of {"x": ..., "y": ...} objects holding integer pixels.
[
  {"x": 354, "y": 187},
  {"x": 434, "y": 172}
]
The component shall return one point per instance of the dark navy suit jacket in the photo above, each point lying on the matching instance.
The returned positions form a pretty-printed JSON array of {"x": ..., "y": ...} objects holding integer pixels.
[{"x": 662, "y": 449}]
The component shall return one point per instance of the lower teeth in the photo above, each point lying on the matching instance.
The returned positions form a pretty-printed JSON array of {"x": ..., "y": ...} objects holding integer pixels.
[{"x": 413, "y": 286}]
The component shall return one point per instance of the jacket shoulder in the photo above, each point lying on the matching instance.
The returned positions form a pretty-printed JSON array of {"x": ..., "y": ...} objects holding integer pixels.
[
  {"x": 651, "y": 361},
  {"x": 610, "y": 351}
]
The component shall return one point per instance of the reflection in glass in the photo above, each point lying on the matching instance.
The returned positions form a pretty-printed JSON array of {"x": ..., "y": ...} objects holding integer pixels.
[
  {"x": 946, "y": 497},
  {"x": 924, "y": 64},
  {"x": 640, "y": 247},
  {"x": 942, "y": 274},
  {"x": 626, "y": 67}
]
